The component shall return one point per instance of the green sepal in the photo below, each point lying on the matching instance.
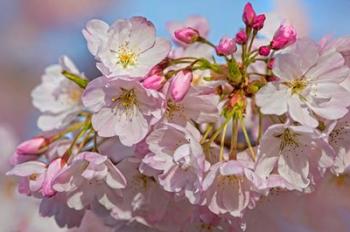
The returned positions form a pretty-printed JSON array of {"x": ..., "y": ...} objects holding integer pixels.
[
  {"x": 234, "y": 73},
  {"x": 81, "y": 82}
]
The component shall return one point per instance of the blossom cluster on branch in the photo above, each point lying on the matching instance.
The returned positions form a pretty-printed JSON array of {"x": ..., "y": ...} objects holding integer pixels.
[{"x": 189, "y": 137}]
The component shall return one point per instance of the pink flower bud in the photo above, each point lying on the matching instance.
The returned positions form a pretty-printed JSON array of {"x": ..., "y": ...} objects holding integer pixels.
[
  {"x": 284, "y": 36},
  {"x": 272, "y": 78},
  {"x": 248, "y": 14},
  {"x": 259, "y": 21},
  {"x": 264, "y": 50},
  {"x": 187, "y": 35},
  {"x": 53, "y": 169},
  {"x": 226, "y": 46},
  {"x": 154, "y": 81},
  {"x": 241, "y": 37},
  {"x": 180, "y": 85},
  {"x": 270, "y": 63},
  {"x": 31, "y": 146}
]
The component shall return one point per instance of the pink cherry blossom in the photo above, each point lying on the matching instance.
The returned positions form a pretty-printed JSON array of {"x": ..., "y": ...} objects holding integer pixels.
[
  {"x": 90, "y": 178},
  {"x": 56, "y": 207},
  {"x": 57, "y": 97},
  {"x": 139, "y": 196},
  {"x": 196, "y": 105},
  {"x": 228, "y": 187},
  {"x": 177, "y": 153},
  {"x": 36, "y": 176},
  {"x": 309, "y": 85},
  {"x": 122, "y": 108},
  {"x": 291, "y": 150},
  {"x": 121, "y": 49}
]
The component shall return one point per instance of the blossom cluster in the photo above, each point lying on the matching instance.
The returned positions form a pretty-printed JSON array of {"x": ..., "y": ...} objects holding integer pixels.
[{"x": 186, "y": 137}]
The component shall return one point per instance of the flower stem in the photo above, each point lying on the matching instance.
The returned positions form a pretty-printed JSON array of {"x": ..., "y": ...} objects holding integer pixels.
[
  {"x": 222, "y": 144},
  {"x": 207, "y": 132},
  {"x": 246, "y": 136},
  {"x": 234, "y": 139},
  {"x": 260, "y": 128},
  {"x": 218, "y": 131}
]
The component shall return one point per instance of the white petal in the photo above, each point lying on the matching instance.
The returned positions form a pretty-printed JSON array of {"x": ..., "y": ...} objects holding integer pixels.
[
  {"x": 272, "y": 100},
  {"x": 27, "y": 169},
  {"x": 95, "y": 34},
  {"x": 299, "y": 112},
  {"x": 295, "y": 169}
]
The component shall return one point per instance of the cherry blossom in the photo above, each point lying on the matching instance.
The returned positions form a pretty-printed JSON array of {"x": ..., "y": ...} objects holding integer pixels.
[
  {"x": 309, "y": 85},
  {"x": 290, "y": 150},
  {"x": 90, "y": 177},
  {"x": 56, "y": 97},
  {"x": 121, "y": 48},
  {"x": 124, "y": 104}
]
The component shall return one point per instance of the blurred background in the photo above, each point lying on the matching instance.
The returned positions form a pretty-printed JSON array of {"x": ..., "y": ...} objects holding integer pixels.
[{"x": 35, "y": 33}]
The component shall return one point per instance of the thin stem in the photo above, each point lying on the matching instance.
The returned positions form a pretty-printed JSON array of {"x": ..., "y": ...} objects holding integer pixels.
[
  {"x": 260, "y": 127},
  {"x": 234, "y": 139},
  {"x": 218, "y": 131},
  {"x": 205, "y": 41},
  {"x": 69, "y": 129},
  {"x": 207, "y": 132},
  {"x": 70, "y": 149},
  {"x": 86, "y": 139},
  {"x": 95, "y": 149},
  {"x": 246, "y": 136},
  {"x": 222, "y": 144},
  {"x": 251, "y": 41},
  {"x": 260, "y": 59}
]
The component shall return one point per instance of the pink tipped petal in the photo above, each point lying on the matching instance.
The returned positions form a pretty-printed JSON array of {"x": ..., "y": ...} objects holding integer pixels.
[{"x": 180, "y": 85}]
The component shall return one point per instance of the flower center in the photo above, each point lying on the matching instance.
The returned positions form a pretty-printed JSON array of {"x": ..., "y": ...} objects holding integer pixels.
[
  {"x": 75, "y": 95},
  {"x": 126, "y": 101},
  {"x": 288, "y": 140},
  {"x": 297, "y": 86},
  {"x": 127, "y": 98},
  {"x": 126, "y": 56},
  {"x": 172, "y": 109},
  {"x": 230, "y": 180}
]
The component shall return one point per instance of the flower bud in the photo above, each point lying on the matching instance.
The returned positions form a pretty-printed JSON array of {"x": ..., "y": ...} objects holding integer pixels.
[
  {"x": 270, "y": 63},
  {"x": 248, "y": 15},
  {"x": 31, "y": 146},
  {"x": 271, "y": 78},
  {"x": 52, "y": 170},
  {"x": 180, "y": 85},
  {"x": 187, "y": 35},
  {"x": 259, "y": 21},
  {"x": 226, "y": 46},
  {"x": 284, "y": 36},
  {"x": 154, "y": 81},
  {"x": 236, "y": 99},
  {"x": 241, "y": 37},
  {"x": 264, "y": 50}
]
